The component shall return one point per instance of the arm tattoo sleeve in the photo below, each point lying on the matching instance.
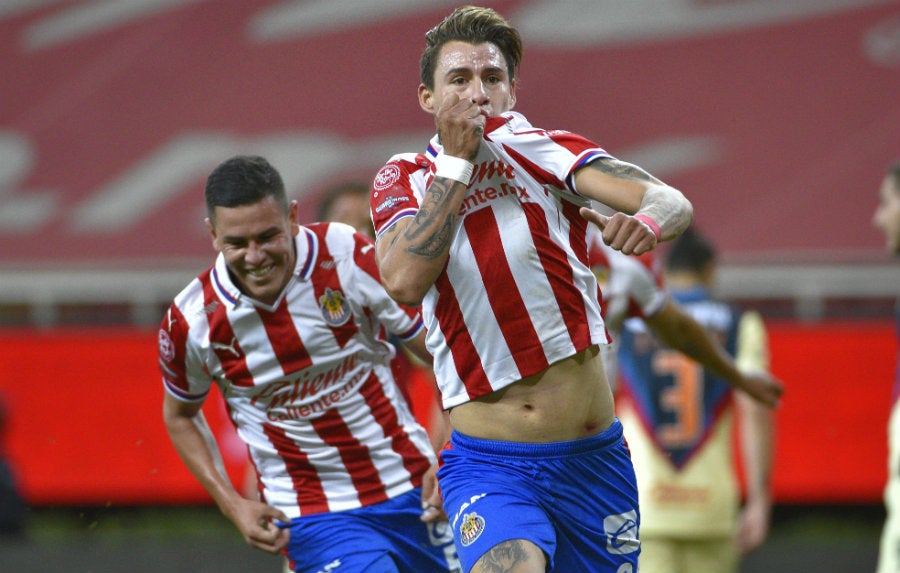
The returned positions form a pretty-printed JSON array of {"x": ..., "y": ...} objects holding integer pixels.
[
  {"x": 432, "y": 232},
  {"x": 623, "y": 170}
]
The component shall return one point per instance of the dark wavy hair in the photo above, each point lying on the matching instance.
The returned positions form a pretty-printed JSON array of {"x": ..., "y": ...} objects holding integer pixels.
[{"x": 472, "y": 25}]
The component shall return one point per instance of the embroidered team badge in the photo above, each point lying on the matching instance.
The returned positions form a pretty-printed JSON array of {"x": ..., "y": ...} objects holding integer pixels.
[
  {"x": 334, "y": 308},
  {"x": 386, "y": 177},
  {"x": 471, "y": 528}
]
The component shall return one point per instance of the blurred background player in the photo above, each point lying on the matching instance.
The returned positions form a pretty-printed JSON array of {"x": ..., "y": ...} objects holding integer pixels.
[
  {"x": 887, "y": 218},
  {"x": 290, "y": 324},
  {"x": 678, "y": 416},
  {"x": 347, "y": 203}
]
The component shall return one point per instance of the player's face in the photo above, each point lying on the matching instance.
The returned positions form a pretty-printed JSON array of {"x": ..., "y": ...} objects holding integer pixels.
[
  {"x": 257, "y": 242},
  {"x": 887, "y": 214},
  {"x": 476, "y": 72}
]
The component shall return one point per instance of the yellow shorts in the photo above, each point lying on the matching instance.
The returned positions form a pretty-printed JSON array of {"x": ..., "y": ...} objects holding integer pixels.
[{"x": 669, "y": 555}]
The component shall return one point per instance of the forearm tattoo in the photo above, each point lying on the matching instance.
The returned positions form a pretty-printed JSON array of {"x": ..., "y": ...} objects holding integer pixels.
[
  {"x": 504, "y": 557},
  {"x": 431, "y": 235},
  {"x": 670, "y": 210},
  {"x": 623, "y": 170}
]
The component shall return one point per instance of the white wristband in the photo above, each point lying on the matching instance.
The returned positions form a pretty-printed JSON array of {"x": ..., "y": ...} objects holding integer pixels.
[{"x": 453, "y": 168}]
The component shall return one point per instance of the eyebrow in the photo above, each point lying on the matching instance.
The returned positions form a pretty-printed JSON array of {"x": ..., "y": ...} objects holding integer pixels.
[
  {"x": 235, "y": 238},
  {"x": 460, "y": 70}
]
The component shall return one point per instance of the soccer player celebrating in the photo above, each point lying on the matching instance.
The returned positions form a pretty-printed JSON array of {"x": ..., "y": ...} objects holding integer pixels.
[
  {"x": 290, "y": 323},
  {"x": 486, "y": 228}
]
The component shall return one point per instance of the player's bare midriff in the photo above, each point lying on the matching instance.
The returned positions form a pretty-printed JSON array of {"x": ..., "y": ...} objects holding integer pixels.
[{"x": 569, "y": 400}]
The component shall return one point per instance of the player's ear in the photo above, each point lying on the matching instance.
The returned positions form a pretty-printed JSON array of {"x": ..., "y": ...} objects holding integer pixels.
[
  {"x": 426, "y": 99},
  {"x": 294, "y": 218},
  {"x": 512, "y": 94},
  {"x": 210, "y": 226}
]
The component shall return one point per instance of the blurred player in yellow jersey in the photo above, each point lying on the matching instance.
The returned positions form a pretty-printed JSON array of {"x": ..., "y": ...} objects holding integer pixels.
[
  {"x": 887, "y": 218},
  {"x": 679, "y": 415}
]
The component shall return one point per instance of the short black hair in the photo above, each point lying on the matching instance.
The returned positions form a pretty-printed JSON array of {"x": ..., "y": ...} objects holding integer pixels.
[
  {"x": 691, "y": 251},
  {"x": 243, "y": 180}
]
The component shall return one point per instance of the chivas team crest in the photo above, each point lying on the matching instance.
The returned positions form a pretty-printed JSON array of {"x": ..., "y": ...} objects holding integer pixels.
[
  {"x": 470, "y": 529},
  {"x": 334, "y": 307}
]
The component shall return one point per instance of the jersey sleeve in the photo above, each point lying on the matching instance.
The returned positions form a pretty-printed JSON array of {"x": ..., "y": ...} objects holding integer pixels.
[
  {"x": 392, "y": 196},
  {"x": 400, "y": 320},
  {"x": 551, "y": 157},
  {"x": 633, "y": 286},
  {"x": 183, "y": 374}
]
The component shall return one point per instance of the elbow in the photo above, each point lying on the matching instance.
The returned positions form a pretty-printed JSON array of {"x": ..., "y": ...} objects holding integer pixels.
[
  {"x": 687, "y": 213},
  {"x": 688, "y": 210},
  {"x": 404, "y": 292},
  {"x": 688, "y": 207},
  {"x": 682, "y": 215},
  {"x": 407, "y": 298},
  {"x": 403, "y": 280}
]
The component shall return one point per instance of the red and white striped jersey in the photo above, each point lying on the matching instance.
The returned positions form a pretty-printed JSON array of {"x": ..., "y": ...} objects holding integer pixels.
[
  {"x": 632, "y": 285},
  {"x": 307, "y": 381},
  {"x": 516, "y": 294},
  {"x": 632, "y": 288}
]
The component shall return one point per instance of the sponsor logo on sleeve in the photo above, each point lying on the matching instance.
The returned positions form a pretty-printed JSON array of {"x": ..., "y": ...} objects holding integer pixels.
[{"x": 390, "y": 202}]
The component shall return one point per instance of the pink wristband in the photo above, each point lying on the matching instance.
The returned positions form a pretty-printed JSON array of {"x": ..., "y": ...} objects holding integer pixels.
[{"x": 650, "y": 223}]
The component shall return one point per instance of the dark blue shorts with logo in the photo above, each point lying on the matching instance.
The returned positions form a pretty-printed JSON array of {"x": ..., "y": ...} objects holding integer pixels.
[
  {"x": 387, "y": 537},
  {"x": 575, "y": 500}
]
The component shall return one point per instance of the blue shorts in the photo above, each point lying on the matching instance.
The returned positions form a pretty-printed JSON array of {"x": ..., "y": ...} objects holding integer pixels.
[
  {"x": 387, "y": 537},
  {"x": 575, "y": 500}
]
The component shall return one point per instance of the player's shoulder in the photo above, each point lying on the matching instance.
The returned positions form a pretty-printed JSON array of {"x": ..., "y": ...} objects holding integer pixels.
[
  {"x": 187, "y": 310},
  {"x": 191, "y": 301},
  {"x": 340, "y": 241},
  {"x": 398, "y": 168},
  {"x": 334, "y": 240},
  {"x": 406, "y": 158}
]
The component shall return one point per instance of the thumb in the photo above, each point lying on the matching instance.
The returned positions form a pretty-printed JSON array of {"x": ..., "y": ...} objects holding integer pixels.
[
  {"x": 276, "y": 514},
  {"x": 594, "y": 217}
]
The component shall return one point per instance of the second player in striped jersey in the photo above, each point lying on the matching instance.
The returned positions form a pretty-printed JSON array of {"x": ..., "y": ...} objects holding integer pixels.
[{"x": 291, "y": 324}]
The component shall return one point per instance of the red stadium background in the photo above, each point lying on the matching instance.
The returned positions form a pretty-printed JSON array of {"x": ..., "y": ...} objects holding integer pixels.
[
  {"x": 85, "y": 416},
  {"x": 777, "y": 119}
]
